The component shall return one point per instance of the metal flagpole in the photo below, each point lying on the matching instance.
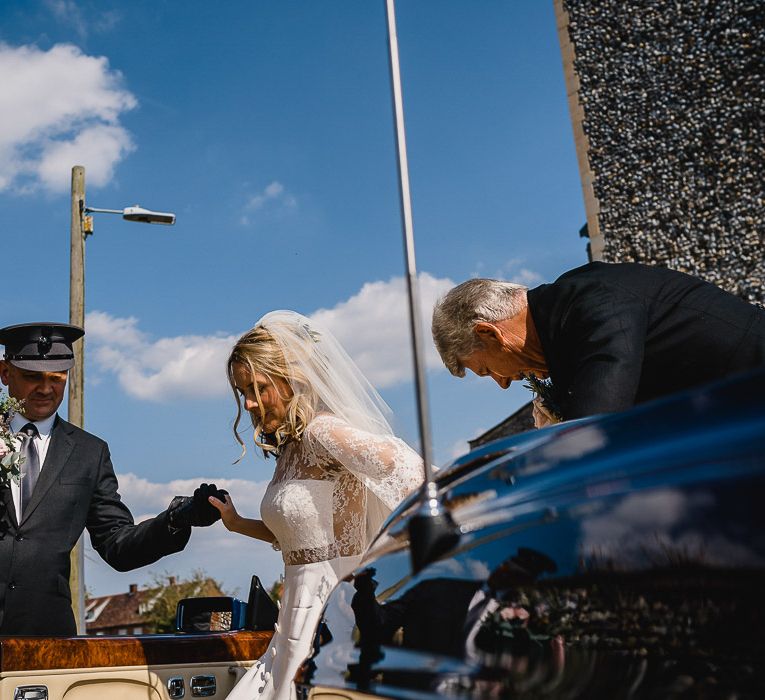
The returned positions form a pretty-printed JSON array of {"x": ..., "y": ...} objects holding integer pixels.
[
  {"x": 408, "y": 229},
  {"x": 432, "y": 530}
]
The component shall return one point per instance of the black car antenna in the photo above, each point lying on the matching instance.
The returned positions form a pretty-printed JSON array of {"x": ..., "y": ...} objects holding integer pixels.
[{"x": 431, "y": 530}]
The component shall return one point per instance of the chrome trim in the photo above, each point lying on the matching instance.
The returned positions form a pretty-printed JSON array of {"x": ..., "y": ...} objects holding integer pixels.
[
  {"x": 203, "y": 686},
  {"x": 31, "y": 692},
  {"x": 176, "y": 687}
]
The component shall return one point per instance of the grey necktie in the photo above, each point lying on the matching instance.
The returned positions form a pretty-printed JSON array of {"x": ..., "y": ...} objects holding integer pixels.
[{"x": 30, "y": 469}]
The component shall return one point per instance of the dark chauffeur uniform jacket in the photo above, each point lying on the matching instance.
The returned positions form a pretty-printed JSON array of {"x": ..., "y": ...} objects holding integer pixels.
[
  {"x": 76, "y": 489},
  {"x": 615, "y": 335}
]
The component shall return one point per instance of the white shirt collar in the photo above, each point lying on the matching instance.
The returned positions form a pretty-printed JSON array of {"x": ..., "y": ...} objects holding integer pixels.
[{"x": 44, "y": 426}]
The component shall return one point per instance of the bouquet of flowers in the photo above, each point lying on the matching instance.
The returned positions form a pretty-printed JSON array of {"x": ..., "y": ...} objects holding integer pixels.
[
  {"x": 10, "y": 444},
  {"x": 506, "y": 634},
  {"x": 546, "y": 404}
]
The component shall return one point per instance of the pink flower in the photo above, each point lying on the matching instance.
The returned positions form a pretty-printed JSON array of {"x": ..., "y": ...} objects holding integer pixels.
[{"x": 514, "y": 613}]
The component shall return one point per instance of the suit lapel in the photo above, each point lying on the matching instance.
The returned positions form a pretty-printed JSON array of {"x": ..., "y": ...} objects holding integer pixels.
[{"x": 61, "y": 445}]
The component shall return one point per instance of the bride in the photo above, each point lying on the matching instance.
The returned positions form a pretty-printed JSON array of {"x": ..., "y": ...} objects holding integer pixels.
[{"x": 339, "y": 472}]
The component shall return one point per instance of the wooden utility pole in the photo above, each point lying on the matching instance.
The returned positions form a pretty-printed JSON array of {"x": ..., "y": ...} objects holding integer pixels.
[{"x": 76, "y": 408}]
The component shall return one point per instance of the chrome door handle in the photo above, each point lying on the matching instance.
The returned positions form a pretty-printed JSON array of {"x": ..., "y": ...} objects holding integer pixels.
[
  {"x": 176, "y": 687},
  {"x": 31, "y": 692},
  {"x": 203, "y": 686}
]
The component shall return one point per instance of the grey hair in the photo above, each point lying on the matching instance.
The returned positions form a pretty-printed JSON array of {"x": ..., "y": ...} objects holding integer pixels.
[{"x": 456, "y": 313}]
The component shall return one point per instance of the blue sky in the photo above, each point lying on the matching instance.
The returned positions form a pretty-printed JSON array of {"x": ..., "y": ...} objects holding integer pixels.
[{"x": 267, "y": 128}]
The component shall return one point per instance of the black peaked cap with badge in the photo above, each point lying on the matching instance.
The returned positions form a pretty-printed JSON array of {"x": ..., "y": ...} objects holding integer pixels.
[{"x": 40, "y": 347}]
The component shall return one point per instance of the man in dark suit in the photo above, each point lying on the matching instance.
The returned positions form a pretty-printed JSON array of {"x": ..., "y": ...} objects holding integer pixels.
[
  {"x": 68, "y": 484},
  {"x": 608, "y": 335}
]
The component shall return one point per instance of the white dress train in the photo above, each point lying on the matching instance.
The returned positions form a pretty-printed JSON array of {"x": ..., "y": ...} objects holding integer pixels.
[
  {"x": 329, "y": 493},
  {"x": 304, "y": 595}
]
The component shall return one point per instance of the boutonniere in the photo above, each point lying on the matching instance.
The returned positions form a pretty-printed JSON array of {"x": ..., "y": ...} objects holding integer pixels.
[
  {"x": 547, "y": 404},
  {"x": 10, "y": 445}
]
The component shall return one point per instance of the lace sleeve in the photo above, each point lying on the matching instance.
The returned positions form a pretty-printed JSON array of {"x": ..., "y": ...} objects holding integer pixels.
[
  {"x": 383, "y": 463},
  {"x": 388, "y": 468}
]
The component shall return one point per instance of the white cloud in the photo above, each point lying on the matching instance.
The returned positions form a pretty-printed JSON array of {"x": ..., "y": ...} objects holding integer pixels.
[
  {"x": 459, "y": 448},
  {"x": 273, "y": 195},
  {"x": 462, "y": 446},
  {"x": 526, "y": 277},
  {"x": 102, "y": 327},
  {"x": 272, "y": 191},
  {"x": 512, "y": 270},
  {"x": 147, "y": 498},
  {"x": 578, "y": 443},
  {"x": 68, "y": 13},
  {"x": 101, "y": 147},
  {"x": 659, "y": 525},
  {"x": 478, "y": 569},
  {"x": 59, "y": 108},
  {"x": 226, "y": 556},
  {"x": 187, "y": 366},
  {"x": 654, "y": 512},
  {"x": 372, "y": 325}
]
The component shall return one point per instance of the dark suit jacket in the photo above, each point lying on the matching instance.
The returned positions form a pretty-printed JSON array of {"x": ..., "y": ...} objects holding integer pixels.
[
  {"x": 77, "y": 489},
  {"x": 619, "y": 334}
]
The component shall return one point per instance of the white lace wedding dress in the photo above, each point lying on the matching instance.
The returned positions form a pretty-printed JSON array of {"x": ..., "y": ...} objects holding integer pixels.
[{"x": 329, "y": 494}]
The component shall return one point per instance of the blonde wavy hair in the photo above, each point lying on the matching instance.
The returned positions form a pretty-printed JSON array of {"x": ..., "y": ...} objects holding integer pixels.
[{"x": 260, "y": 353}]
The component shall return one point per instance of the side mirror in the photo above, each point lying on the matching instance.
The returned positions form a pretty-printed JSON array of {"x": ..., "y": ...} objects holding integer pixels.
[{"x": 212, "y": 614}]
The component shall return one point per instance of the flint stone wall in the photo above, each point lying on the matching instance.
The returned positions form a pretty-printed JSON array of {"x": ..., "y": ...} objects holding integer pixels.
[{"x": 668, "y": 103}]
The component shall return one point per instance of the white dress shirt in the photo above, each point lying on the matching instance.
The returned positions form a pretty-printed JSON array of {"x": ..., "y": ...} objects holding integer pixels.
[{"x": 44, "y": 428}]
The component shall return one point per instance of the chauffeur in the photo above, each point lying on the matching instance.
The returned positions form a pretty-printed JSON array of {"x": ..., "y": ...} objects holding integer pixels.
[{"x": 68, "y": 484}]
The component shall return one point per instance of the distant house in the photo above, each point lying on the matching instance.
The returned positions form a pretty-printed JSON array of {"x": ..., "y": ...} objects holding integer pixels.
[{"x": 125, "y": 613}]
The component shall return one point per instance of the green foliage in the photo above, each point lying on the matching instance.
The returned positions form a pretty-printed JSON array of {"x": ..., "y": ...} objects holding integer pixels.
[
  {"x": 10, "y": 444},
  {"x": 545, "y": 390},
  {"x": 276, "y": 590},
  {"x": 160, "y": 601},
  {"x": 9, "y": 406}
]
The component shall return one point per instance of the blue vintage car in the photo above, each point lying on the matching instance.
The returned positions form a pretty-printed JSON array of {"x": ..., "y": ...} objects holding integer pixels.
[{"x": 619, "y": 556}]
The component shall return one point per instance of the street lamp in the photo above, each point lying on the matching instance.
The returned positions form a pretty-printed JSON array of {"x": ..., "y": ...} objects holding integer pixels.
[
  {"x": 137, "y": 213},
  {"x": 81, "y": 228}
]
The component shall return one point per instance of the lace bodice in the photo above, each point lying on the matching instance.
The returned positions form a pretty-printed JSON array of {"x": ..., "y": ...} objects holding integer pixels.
[{"x": 318, "y": 501}]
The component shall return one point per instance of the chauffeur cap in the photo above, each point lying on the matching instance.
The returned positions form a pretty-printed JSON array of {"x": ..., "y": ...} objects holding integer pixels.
[{"x": 40, "y": 347}]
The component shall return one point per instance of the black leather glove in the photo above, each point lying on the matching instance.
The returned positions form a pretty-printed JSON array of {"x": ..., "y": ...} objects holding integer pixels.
[{"x": 196, "y": 510}]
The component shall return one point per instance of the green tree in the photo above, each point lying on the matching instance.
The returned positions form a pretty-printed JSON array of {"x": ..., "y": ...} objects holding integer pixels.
[
  {"x": 276, "y": 590},
  {"x": 160, "y": 601}
]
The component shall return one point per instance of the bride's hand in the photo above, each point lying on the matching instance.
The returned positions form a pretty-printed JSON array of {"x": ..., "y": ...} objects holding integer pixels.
[{"x": 228, "y": 513}]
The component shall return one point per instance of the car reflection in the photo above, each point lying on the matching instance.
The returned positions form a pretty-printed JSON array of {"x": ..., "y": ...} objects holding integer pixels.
[
  {"x": 622, "y": 557},
  {"x": 429, "y": 616},
  {"x": 654, "y": 612},
  {"x": 462, "y": 618}
]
